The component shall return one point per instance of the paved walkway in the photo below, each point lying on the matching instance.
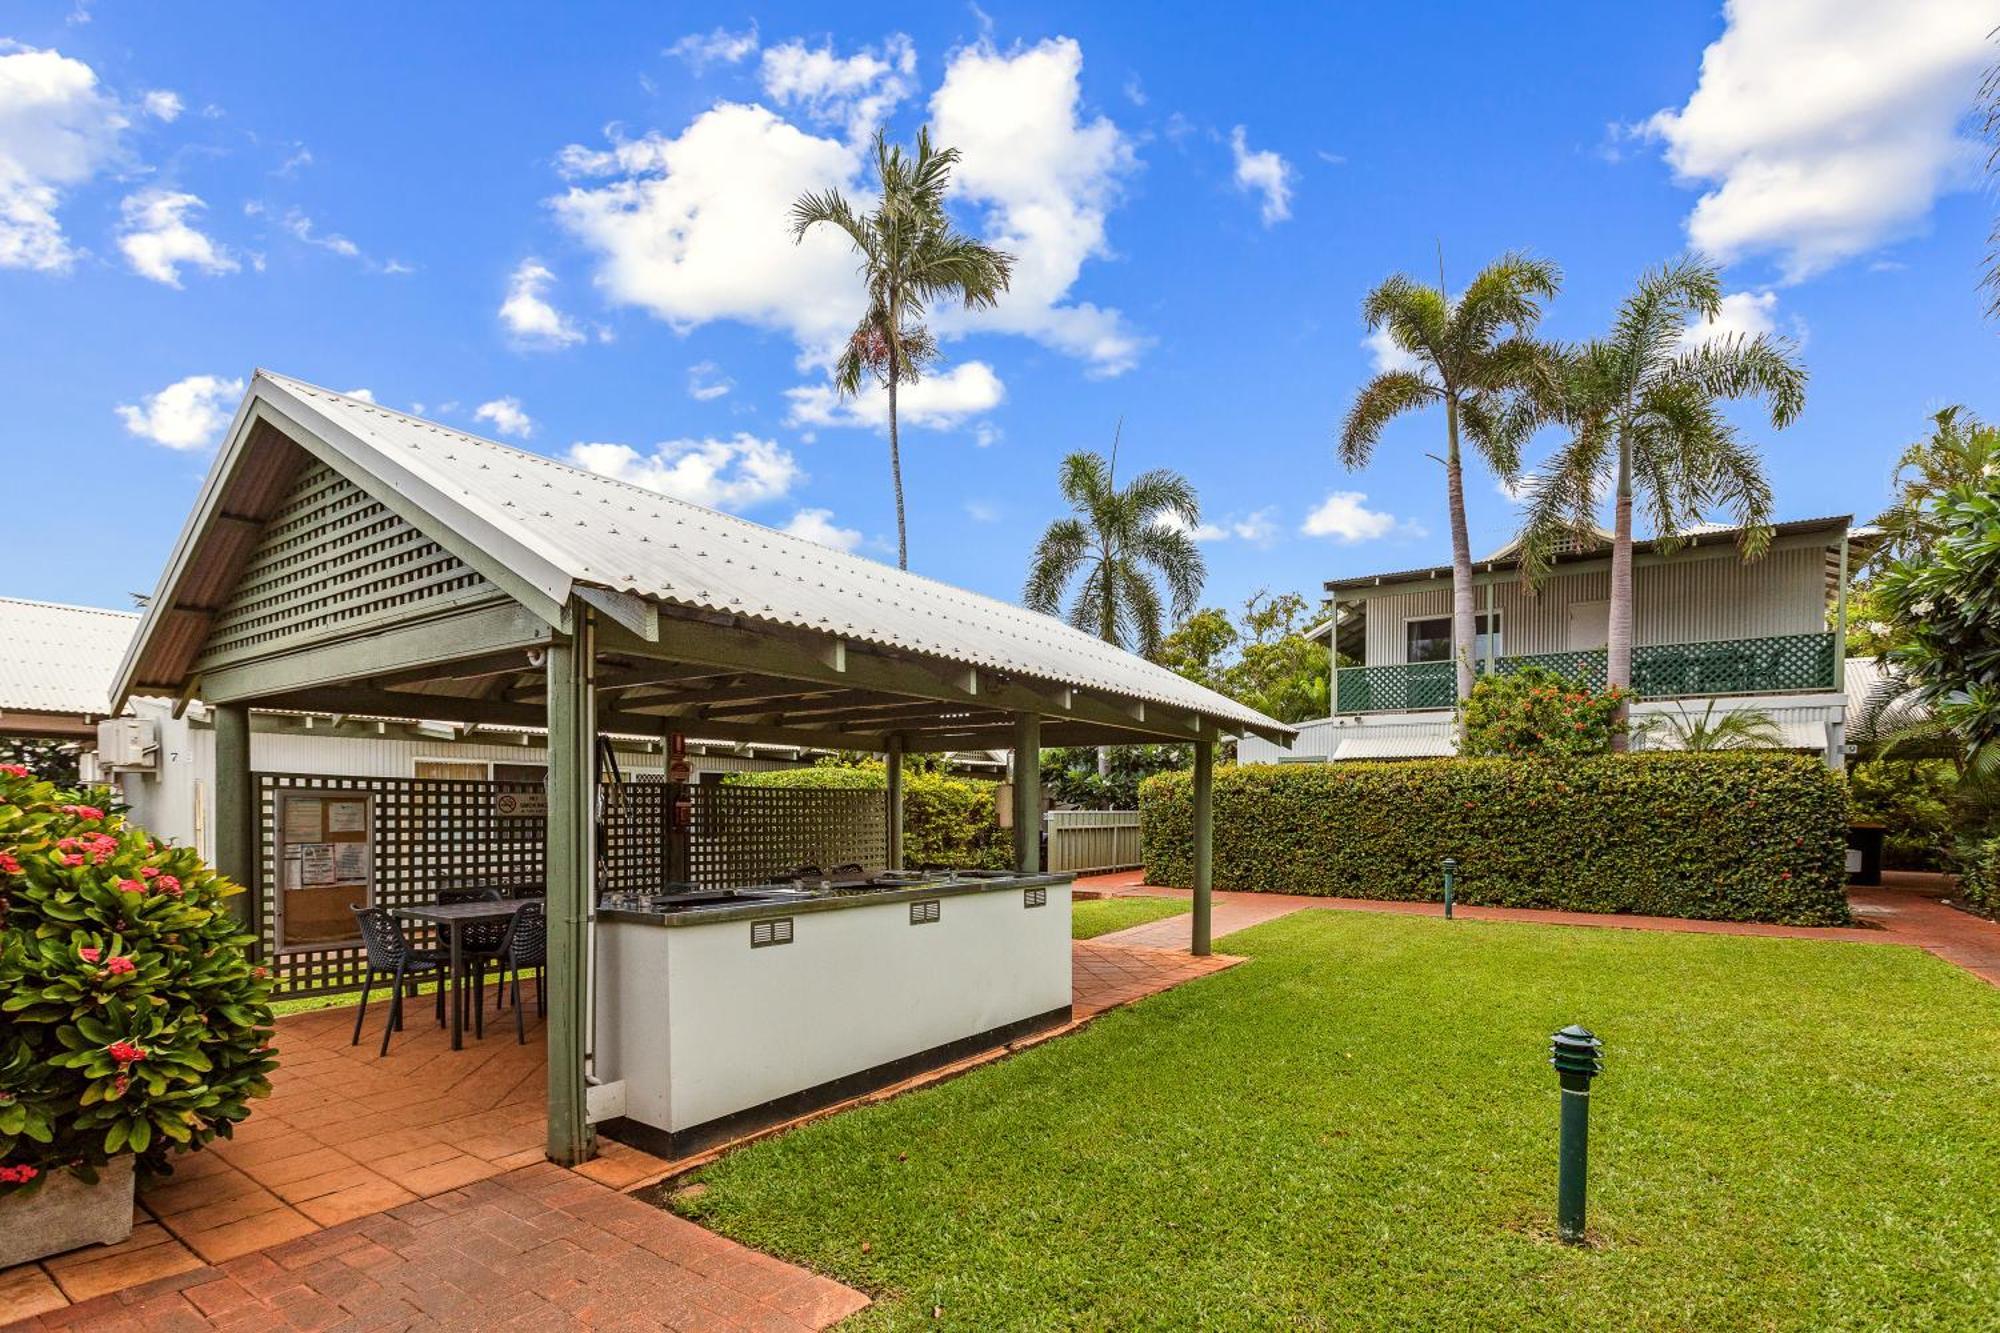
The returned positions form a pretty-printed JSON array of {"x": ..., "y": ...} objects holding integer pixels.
[
  {"x": 347, "y": 1138},
  {"x": 536, "y": 1247},
  {"x": 1907, "y": 909}
]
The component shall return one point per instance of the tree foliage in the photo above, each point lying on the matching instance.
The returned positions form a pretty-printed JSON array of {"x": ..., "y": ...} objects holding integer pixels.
[
  {"x": 1644, "y": 413},
  {"x": 1262, "y": 659},
  {"x": 947, "y": 821},
  {"x": 1123, "y": 543},
  {"x": 910, "y": 257},
  {"x": 1476, "y": 357}
]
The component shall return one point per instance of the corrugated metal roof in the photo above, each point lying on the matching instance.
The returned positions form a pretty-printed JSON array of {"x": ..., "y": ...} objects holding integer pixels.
[
  {"x": 1507, "y": 557},
  {"x": 60, "y": 659},
  {"x": 553, "y": 526}
]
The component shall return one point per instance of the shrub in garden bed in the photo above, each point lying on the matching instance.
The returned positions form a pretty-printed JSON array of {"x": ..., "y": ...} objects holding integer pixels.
[
  {"x": 1728, "y": 837},
  {"x": 132, "y": 1019},
  {"x": 946, "y": 820},
  {"x": 1979, "y": 873}
]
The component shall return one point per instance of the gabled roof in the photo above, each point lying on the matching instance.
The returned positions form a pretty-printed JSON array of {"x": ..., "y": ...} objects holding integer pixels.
[
  {"x": 544, "y": 530},
  {"x": 60, "y": 659}
]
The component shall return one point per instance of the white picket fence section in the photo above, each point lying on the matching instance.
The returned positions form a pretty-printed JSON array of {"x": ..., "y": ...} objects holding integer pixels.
[{"x": 1086, "y": 841}]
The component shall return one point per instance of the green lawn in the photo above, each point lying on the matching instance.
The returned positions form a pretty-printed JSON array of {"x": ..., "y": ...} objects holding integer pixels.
[
  {"x": 1098, "y": 916},
  {"x": 1356, "y": 1128}
]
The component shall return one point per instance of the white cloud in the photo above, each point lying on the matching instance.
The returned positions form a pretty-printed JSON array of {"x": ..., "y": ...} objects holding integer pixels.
[
  {"x": 1264, "y": 173},
  {"x": 735, "y": 473},
  {"x": 157, "y": 239},
  {"x": 940, "y": 401},
  {"x": 1519, "y": 491},
  {"x": 706, "y": 382},
  {"x": 1385, "y": 355},
  {"x": 982, "y": 511},
  {"x": 506, "y": 417},
  {"x": 1046, "y": 180},
  {"x": 695, "y": 228},
  {"x": 1743, "y": 314},
  {"x": 857, "y": 92},
  {"x": 716, "y": 47},
  {"x": 57, "y": 130},
  {"x": 163, "y": 105},
  {"x": 307, "y": 232},
  {"x": 1346, "y": 517},
  {"x": 527, "y": 312},
  {"x": 817, "y": 525},
  {"x": 187, "y": 414},
  {"x": 365, "y": 395},
  {"x": 1822, "y": 128},
  {"x": 1259, "y": 528}
]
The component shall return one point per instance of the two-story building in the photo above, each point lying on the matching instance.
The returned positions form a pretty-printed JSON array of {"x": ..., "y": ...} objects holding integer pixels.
[{"x": 1708, "y": 626}]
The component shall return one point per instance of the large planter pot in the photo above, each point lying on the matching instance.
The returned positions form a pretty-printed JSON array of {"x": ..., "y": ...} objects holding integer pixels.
[{"x": 66, "y": 1214}]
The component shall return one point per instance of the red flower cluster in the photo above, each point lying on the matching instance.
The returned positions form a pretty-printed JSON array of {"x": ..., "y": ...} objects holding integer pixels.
[
  {"x": 98, "y": 847},
  {"x": 14, "y": 770},
  {"x": 22, "y": 1174},
  {"x": 124, "y": 1052},
  {"x": 9, "y": 864},
  {"x": 118, "y": 965},
  {"x": 90, "y": 953},
  {"x": 83, "y": 811}
]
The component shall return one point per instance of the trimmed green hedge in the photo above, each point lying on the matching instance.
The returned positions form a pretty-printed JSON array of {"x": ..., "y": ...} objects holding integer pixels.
[
  {"x": 947, "y": 821},
  {"x": 1728, "y": 837},
  {"x": 1979, "y": 873}
]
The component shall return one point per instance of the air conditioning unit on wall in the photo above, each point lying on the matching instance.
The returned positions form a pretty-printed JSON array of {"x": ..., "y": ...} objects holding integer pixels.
[{"x": 128, "y": 743}]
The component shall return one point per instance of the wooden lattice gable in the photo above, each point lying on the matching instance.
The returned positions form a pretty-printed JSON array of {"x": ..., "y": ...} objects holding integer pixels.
[{"x": 330, "y": 562}]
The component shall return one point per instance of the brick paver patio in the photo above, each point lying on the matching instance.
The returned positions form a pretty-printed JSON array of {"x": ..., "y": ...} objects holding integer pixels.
[{"x": 343, "y": 1170}]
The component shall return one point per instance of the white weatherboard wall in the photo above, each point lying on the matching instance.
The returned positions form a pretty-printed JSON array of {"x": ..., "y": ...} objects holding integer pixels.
[
  {"x": 176, "y": 799},
  {"x": 698, "y": 1025}
]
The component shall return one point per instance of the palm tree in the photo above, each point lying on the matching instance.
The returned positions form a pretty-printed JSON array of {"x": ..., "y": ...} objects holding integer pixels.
[
  {"x": 1476, "y": 357},
  {"x": 1121, "y": 541},
  {"x": 1737, "y": 729},
  {"x": 1643, "y": 410},
  {"x": 910, "y": 256}
]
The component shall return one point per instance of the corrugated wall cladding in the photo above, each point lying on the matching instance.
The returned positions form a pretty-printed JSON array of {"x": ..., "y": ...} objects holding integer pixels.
[
  {"x": 333, "y": 560},
  {"x": 1689, "y": 599}
]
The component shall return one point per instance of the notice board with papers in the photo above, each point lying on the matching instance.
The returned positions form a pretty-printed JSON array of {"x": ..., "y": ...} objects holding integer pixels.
[{"x": 325, "y": 862}]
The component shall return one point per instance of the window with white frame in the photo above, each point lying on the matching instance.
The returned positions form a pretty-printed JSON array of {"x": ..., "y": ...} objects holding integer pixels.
[{"x": 1429, "y": 639}]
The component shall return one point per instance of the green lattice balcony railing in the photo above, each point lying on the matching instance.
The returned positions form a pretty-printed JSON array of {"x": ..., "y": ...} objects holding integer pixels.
[{"x": 1770, "y": 665}]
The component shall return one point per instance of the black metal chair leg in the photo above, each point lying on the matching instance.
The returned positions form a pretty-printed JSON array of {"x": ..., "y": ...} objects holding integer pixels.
[
  {"x": 367, "y": 980},
  {"x": 395, "y": 1015},
  {"x": 440, "y": 998},
  {"x": 520, "y": 1023},
  {"x": 479, "y": 1000}
]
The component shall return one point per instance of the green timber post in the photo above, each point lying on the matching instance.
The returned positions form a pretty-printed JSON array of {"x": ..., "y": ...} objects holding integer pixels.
[
  {"x": 237, "y": 818},
  {"x": 1204, "y": 844},
  {"x": 1492, "y": 627},
  {"x": 1028, "y": 793},
  {"x": 571, "y": 784},
  {"x": 894, "y": 810}
]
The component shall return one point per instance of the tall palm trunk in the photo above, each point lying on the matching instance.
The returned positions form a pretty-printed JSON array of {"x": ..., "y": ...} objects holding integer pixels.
[
  {"x": 896, "y": 476},
  {"x": 1462, "y": 634},
  {"x": 1618, "y": 627}
]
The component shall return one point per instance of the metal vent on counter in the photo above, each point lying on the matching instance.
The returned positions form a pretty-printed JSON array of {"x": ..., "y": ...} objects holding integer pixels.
[
  {"x": 777, "y": 930},
  {"x": 925, "y": 912},
  {"x": 1035, "y": 897}
]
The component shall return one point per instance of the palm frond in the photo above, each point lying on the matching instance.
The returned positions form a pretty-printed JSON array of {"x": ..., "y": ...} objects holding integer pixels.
[
  {"x": 1057, "y": 557},
  {"x": 1382, "y": 400}
]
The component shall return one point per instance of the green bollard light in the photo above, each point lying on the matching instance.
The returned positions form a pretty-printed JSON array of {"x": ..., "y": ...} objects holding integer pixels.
[
  {"x": 1450, "y": 865},
  {"x": 1578, "y": 1058}
]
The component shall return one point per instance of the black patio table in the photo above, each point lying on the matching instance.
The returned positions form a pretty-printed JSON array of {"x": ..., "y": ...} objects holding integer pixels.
[{"x": 451, "y": 918}]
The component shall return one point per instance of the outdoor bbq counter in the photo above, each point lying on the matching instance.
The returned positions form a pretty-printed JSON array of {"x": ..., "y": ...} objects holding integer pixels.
[{"x": 716, "y": 1018}]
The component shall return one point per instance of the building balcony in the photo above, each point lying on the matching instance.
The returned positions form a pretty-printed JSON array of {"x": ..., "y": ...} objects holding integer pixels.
[{"x": 1775, "y": 665}]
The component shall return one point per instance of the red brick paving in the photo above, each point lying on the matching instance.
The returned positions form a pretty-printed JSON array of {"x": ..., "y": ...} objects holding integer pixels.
[
  {"x": 1906, "y": 910},
  {"x": 535, "y": 1247},
  {"x": 347, "y": 1137}
]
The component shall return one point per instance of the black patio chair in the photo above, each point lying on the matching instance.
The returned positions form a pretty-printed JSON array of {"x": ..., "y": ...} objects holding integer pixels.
[
  {"x": 480, "y": 943},
  {"x": 527, "y": 946},
  {"x": 388, "y": 951}
]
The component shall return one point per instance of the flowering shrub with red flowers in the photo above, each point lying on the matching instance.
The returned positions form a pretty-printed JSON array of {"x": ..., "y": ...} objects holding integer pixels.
[
  {"x": 131, "y": 1018},
  {"x": 1533, "y": 713}
]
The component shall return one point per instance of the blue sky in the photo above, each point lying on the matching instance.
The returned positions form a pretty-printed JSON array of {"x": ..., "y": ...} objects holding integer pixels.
[{"x": 575, "y": 223}]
